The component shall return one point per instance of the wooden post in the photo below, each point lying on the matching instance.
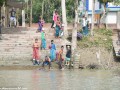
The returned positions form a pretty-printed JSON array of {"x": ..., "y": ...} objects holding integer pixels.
[
  {"x": 7, "y": 16},
  {"x": 4, "y": 13},
  {"x": 23, "y": 18},
  {"x": 27, "y": 10},
  {"x": 17, "y": 16},
  {"x": 30, "y": 21},
  {"x": 93, "y": 12}
]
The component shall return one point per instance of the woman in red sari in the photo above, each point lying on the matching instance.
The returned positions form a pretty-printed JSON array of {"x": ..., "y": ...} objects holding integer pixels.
[{"x": 36, "y": 56}]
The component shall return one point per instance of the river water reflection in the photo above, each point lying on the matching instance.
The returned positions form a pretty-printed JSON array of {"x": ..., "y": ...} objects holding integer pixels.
[{"x": 60, "y": 80}]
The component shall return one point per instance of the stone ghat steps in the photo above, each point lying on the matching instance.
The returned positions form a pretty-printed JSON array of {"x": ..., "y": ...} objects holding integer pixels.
[
  {"x": 16, "y": 62},
  {"x": 20, "y": 46},
  {"x": 17, "y": 48},
  {"x": 25, "y": 43},
  {"x": 26, "y": 36}
]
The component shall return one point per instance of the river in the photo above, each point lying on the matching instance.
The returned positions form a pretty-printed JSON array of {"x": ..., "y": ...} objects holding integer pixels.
[{"x": 59, "y": 80}]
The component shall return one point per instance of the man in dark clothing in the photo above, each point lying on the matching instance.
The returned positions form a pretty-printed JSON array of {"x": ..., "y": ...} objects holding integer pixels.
[
  {"x": 12, "y": 16},
  {"x": 68, "y": 56}
]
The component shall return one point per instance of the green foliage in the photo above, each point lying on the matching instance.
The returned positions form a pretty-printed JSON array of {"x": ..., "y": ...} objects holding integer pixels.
[
  {"x": 102, "y": 38},
  {"x": 117, "y": 2},
  {"x": 2, "y": 2},
  {"x": 105, "y": 1},
  {"x": 49, "y": 7}
]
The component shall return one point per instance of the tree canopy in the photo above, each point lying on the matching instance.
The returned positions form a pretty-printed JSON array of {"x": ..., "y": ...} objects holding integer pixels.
[
  {"x": 117, "y": 2},
  {"x": 105, "y": 1},
  {"x": 49, "y": 7},
  {"x": 2, "y": 2}
]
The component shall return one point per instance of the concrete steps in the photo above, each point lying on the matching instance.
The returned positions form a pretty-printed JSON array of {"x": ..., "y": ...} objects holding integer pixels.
[
  {"x": 16, "y": 46},
  {"x": 115, "y": 45}
]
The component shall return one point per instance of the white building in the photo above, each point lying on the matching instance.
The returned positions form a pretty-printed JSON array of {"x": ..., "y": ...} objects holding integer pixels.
[{"x": 111, "y": 18}]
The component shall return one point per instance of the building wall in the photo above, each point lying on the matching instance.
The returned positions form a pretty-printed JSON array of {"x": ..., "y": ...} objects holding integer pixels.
[{"x": 111, "y": 18}]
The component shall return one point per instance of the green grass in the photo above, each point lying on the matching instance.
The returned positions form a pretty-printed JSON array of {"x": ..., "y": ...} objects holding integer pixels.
[{"x": 101, "y": 38}]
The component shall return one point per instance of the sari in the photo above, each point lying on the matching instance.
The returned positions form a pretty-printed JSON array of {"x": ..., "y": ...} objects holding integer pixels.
[
  {"x": 57, "y": 31},
  {"x": 36, "y": 51},
  {"x": 40, "y": 26},
  {"x": 53, "y": 52},
  {"x": 43, "y": 43}
]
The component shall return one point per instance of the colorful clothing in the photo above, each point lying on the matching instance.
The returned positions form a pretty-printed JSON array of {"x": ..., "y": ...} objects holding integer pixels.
[
  {"x": 43, "y": 40},
  {"x": 68, "y": 55},
  {"x": 55, "y": 17},
  {"x": 85, "y": 28},
  {"x": 44, "y": 43},
  {"x": 42, "y": 35},
  {"x": 60, "y": 59},
  {"x": 67, "y": 59},
  {"x": 36, "y": 53},
  {"x": 60, "y": 55},
  {"x": 40, "y": 23},
  {"x": 53, "y": 52},
  {"x": 57, "y": 31}
]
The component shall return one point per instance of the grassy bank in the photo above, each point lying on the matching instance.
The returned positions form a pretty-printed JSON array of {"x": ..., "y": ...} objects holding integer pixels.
[{"x": 101, "y": 38}]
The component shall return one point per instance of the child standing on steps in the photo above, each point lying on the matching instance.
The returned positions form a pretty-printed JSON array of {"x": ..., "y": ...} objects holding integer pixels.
[
  {"x": 40, "y": 23},
  {"x": 43, "y": 40},
  {"x": 68, "y": 56},
  {"x": 36, "y": 56}
]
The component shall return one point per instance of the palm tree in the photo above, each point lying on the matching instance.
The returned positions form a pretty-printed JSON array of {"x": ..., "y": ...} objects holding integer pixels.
[
  {"x": 74, "y": 31},
  {"x": 1, "y": 4},
  {"x": 63, "y": 5},
  {"x": 30, "y": 21},
  {"x": 93, "y": 13}
]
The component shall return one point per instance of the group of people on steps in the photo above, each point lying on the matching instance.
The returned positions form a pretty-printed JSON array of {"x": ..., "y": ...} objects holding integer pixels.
[{"x": 54, "y": 55}]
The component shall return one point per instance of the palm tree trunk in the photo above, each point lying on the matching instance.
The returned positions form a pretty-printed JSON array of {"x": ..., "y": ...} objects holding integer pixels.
[
  {"x": 0, "y": 14},
  {"x": 93, "y": 15},
  {"x": 27, "y": 9},
  {"x": 0, "y": 23},
  {"x": 64, "y": 18},
  {"x": 42, "y": 9},
  {"x": 3, "y": 15},
  {"x": 74, "y": 31},
  {"x": 30, "y": 21}
]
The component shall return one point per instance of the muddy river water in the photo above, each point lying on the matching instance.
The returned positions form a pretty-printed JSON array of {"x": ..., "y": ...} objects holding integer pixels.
[{"x": 59, "y": 80}]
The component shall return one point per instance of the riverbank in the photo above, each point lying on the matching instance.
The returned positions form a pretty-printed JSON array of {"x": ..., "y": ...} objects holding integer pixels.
[
  {"x": 97, "y": 51},
  {"x": 94, "y": 52}
]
